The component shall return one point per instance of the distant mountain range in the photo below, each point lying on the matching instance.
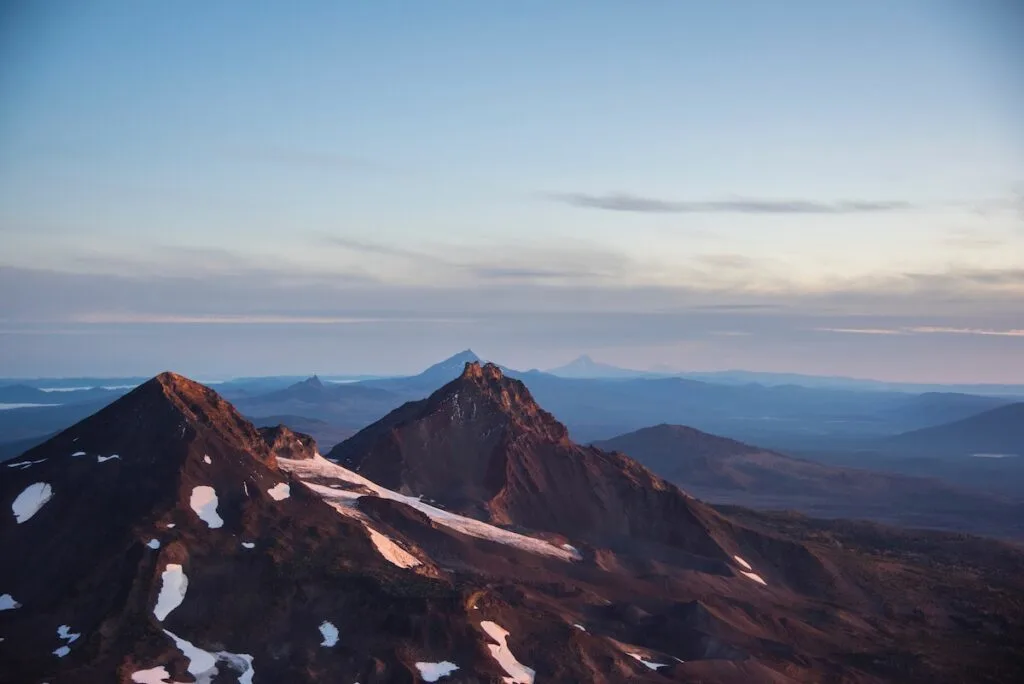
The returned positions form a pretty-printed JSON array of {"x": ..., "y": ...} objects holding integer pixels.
[
  {"x": 996, "y": 433},
  {"x": 817, "y": 422},
  {"x": 586, "y": 367},
  {"x": 725, "y": 471}
]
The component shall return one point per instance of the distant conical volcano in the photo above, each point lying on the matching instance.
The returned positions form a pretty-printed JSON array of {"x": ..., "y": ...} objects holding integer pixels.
[{"x": 443, "y": 371}]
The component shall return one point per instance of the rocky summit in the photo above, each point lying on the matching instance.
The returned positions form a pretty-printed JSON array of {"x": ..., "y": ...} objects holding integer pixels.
[{"x": 461, "y": 538}]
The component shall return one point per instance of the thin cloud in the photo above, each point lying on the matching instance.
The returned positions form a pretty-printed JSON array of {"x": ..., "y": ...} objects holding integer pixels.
[
  {"x": 740, "y": 205},
  {"x": 925, "y": 330},
  {"x": 526, "y": 273},
  {"x": 377, "y": 248},
  {"x": 966, "y": 331},
  {"x": 863, "y": 331},
  {"x": 101, "y": 318}
]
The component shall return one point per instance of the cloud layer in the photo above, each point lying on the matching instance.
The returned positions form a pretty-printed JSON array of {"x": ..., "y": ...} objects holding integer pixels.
[{"x": 735, "y": 205}]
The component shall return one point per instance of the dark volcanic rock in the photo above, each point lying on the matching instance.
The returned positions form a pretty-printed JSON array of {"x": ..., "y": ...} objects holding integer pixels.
[
  {"x": 285, "y": 443},
  {"x": 483, "y": 447}
]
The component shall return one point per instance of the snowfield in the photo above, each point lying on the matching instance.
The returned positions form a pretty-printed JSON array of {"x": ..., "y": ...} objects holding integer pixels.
[
  {"x": 329, "y": 633},
  {"x": 344, "y": 501},
  {"x": 517, "y": 672},
  {"x": 391, "y": 551},
  {"x": 202, "y": 664},
  {"x": 204, "y": 503},
  {"x": 172, "y": 592},
  {"x": 431, "y": 672},
  {"x": 31, "y": 499},
  {"x": 280, "y": 491}
]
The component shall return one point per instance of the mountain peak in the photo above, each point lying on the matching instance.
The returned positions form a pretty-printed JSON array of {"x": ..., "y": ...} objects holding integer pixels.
[
  {"x": 312, "y": 381},
  {"x": 450, "y": 367},
  {"x": 487, "y": 371}
]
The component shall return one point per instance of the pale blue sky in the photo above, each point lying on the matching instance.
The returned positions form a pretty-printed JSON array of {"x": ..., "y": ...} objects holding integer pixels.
[{"x": 253, "y": 187}]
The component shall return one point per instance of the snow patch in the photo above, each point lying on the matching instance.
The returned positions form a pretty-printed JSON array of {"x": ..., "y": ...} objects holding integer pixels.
[
  {"x": 248, "y": 545},
  {"x": 24, "y": 464},
  {"x": 579, "y": 627},
  {"x": 391, "y": 551},
  {"x": 156, "y": 675},
  {"x": 7, "y": 602},
  {"x": 518, "y": 673},
  {"x": 204, "y": 503},
  {"x": 344, "y": 502},
  {"x": 170, "y": 525},
  {"x": 280, "y": 491},
  {"x": 202, "y": 664},
  {"x": 101, "y": 459},
  {"x": 206, "y": 460},
  {"x": 647, "y": 663},
  {"x": 172, "y": 592},
  {"x": 431, "y": 672},
  {"x": 153, "y": 544},
  {"x": 330, "y": 634},
  {"x": 77, "y": 453},
  {"x": 742, "y": 562},
  {"x": 31, "y": 499},
  {"x": 754, "y": 576},
  {"x": 64, "y": 632}
]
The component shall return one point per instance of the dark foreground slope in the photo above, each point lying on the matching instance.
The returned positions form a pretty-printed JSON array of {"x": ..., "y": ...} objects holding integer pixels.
[{"x": 300, "y": 570}]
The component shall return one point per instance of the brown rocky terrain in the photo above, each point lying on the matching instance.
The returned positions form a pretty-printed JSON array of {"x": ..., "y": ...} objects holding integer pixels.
[{"x": 476, "y": 543}]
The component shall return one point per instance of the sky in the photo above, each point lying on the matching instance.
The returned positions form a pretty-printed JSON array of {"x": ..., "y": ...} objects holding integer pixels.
[{"x": 243, "y": 188}]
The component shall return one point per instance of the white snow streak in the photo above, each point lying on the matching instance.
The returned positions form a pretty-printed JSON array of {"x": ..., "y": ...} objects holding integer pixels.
[
  {"x": 101, "y": 459},
  {"x": 579, "y": 627},
  {"x": 24, "y": 464},
  {"x": 754, "y": 576},
  {"x": 77, "y": 454},
  {"x": 31, "y": 500},
  {"x": 248, "y": 545},
  {"x": 279, "y": 491},
  {"x": 518, "y": 673},
  {"x": 7, "y": 602},
  {"x": 206, "y": 460},
  {"x": 344, "y": 501},
  {"x": 650, "y": 665},
  {"x": 330, "y": 634},
  {"x": 742, "y": 562},
  {"x": 204, "y": 503},
  {"x": 391, "y": 551},
  {"x": 431, "y": 672},
  {"x": 172, "y": 592}
]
